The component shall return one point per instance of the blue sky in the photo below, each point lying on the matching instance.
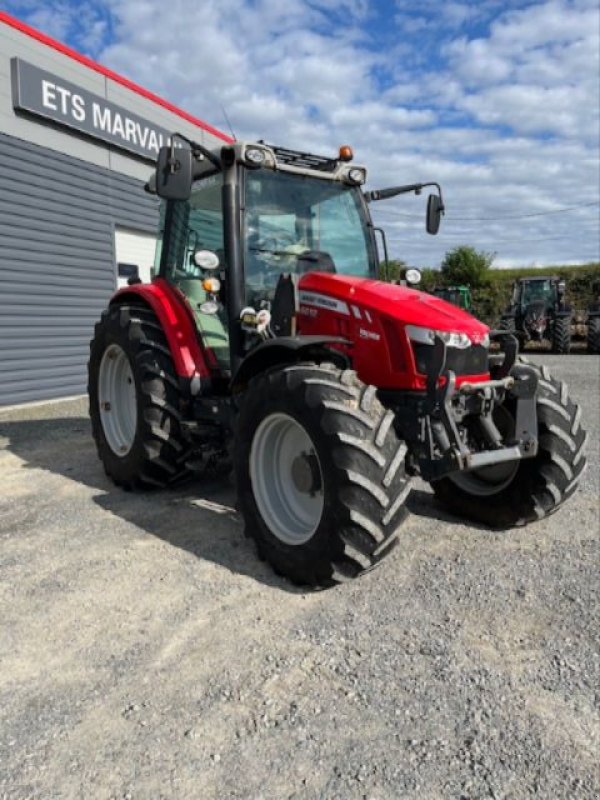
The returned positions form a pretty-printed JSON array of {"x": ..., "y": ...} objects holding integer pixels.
[{"x": 498, "y": 101}]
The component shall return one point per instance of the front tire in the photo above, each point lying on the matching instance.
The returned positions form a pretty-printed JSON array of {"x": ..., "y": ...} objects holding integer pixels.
[
  {"x": 320, "y": 473},
  {"x": 134, "y": 399},
  {"x": 539, "y": 485}
]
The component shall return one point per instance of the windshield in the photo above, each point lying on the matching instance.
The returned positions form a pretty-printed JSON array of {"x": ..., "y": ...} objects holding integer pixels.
[
  {"x": 296, "y": 224},
  {"x": 537, "y": 291}
]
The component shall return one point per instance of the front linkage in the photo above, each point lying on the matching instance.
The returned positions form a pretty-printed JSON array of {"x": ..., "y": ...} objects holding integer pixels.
[{"x": 433, "y": 423}]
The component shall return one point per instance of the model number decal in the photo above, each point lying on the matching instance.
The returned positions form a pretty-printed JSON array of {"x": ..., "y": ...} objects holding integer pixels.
[
  {"x": 324, "y": 301},
  {"x": 369, "y": 335}
]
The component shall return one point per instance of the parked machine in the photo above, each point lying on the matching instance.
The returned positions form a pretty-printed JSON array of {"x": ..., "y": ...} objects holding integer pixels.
[
  {"x": 538, "y": 312},
  {"x": 593, "y": 321},
  {"x": 267, "y": 335},
  {"x": 457, "y": 295}
]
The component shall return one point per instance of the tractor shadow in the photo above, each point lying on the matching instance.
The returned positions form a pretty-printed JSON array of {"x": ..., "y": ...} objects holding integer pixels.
[
  {"x": 422, "y": 503},
  {"x": 199, "y": 517}
]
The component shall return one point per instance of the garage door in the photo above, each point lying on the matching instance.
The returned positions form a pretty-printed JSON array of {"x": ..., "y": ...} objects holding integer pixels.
[
  {"x": 134, "y": 249},
  {"x": 57, "y": 264}
]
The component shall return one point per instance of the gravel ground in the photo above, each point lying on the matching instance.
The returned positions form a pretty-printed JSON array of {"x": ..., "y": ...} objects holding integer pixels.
[{"x": 145, "y": 652}]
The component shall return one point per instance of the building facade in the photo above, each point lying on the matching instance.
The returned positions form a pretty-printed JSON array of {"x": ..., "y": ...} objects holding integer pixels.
[{"x": 77, "y": 144}]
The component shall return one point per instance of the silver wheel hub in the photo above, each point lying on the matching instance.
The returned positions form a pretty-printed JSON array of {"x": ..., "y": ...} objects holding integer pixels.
[
  {"x": 287, "y": 480},
  {"x": 117, "y": 400}
]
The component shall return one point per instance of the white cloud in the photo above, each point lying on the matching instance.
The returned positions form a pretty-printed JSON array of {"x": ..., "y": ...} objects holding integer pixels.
[{"x": 495, "y": 99}]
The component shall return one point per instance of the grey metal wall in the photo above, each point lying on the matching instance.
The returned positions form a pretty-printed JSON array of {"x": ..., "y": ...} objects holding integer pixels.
[{"x": 57, "y": 266}]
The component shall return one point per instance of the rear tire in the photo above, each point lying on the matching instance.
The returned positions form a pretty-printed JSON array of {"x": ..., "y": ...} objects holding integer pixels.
[
  {"x": 540, "y": 484},
  {"x": 561, "y": 336},
  {"x": 593, "y": 335},
  {"x": 144, "y": 447},
  {"x": 318, "y": 453}
]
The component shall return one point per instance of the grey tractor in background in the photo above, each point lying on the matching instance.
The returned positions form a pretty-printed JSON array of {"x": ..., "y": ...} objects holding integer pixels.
[{"x": 538, "y": 312}]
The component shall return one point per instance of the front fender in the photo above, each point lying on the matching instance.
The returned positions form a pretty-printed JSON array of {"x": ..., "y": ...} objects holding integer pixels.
[
  {"x": 177, "y": 323},
  {"x": 288, "y": 350}
]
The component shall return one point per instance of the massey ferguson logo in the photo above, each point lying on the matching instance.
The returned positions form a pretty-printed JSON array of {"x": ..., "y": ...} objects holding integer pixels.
[{"x": 323, "y": 301}]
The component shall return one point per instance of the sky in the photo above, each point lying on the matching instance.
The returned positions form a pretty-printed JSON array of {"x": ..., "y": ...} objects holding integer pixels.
[{"x": 497, "y": 100}]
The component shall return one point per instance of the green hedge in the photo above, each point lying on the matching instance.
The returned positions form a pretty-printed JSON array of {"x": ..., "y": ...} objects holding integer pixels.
[{"x": 491, "y": 299}]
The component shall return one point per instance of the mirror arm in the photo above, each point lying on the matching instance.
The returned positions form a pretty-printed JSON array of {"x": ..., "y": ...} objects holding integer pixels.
[
  {"x": 385, "y": 194},
  {"x": 198, "y": 151},
  {"x": 417, "y": 188}
]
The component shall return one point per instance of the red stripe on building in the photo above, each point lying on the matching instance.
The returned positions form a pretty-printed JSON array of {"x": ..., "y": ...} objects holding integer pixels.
[{"x": 87, "y": 62}]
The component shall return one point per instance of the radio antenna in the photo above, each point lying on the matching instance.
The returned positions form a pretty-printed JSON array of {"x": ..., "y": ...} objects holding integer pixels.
[{"x": 233, "y": 136}]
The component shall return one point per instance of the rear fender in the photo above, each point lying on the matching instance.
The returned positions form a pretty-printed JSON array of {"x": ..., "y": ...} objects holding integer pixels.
[{"x": 177, "y": 323}]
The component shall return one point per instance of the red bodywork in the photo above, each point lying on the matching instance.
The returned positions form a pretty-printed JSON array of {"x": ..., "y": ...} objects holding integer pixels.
[
  {"x": 177, "y": 321},
  {"x": 373, "y": 315}
]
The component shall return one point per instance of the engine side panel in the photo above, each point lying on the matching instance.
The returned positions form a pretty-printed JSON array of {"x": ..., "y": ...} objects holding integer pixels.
[{"x": 373, "y": 315}]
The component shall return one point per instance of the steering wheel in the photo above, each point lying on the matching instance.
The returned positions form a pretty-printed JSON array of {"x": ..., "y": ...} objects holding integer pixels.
[{"x": 275, "y": 244}]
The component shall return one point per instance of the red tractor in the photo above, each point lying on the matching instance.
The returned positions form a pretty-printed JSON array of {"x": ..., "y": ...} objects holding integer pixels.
[{"x": 267, "y": 337}]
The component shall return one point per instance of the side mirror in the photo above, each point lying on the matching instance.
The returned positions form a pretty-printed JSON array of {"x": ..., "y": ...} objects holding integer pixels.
[
  {"x": 174, "y": 173},
  {"x": 434, "y": 213}
]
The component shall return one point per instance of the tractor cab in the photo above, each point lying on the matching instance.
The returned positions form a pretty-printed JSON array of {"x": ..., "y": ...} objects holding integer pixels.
[
  {"x": 233, "y": 223},
  {"x": 542, "y": 291}
]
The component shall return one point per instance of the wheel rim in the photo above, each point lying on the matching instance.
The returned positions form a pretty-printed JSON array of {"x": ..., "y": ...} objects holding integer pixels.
[
  {"x": 287, "y": 480},
  {"x": 489, "y": 481},
  {"x": 117, "y": 400}
]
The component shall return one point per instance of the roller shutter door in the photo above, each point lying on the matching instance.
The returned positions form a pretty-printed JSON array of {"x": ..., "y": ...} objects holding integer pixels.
[{"x": 57, "y": 266}]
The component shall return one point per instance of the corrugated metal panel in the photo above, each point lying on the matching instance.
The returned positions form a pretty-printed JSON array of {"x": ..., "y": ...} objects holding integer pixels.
[{"x": 57, "y": 268}]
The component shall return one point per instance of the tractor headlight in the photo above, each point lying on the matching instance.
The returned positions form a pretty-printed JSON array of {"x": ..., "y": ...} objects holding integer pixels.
[
  {"x": 459, "y": 340},
  {"x": 427, "y": 336}
]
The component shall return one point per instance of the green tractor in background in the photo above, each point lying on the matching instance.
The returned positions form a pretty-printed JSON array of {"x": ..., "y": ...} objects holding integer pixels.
[
  {"x": 458, "y": 295},
  {"x": 538, "y": 311}
]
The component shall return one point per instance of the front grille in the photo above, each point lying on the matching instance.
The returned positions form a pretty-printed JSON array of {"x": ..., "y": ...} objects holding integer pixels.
[{"x": 470, "y": 361}]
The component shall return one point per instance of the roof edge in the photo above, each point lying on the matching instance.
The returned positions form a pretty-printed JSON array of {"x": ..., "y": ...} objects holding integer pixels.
[{"x": 12, "y": 22}]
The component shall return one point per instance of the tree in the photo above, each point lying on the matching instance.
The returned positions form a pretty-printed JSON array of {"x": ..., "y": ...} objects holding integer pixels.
[
  {"x": 466, "y": 265},
  {"x": 395, "y": 267}
]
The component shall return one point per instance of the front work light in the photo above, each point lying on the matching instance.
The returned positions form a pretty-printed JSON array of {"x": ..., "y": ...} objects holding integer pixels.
[
  {"x": 357, "y": 175},
  {"x": 255, "y": 156}
]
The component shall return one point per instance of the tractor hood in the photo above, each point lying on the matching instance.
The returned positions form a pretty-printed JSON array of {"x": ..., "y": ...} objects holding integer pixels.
[{"x": 408, "y": 306}]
